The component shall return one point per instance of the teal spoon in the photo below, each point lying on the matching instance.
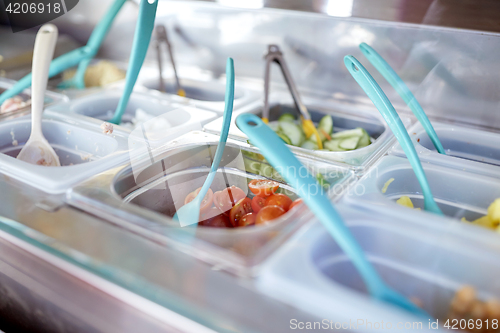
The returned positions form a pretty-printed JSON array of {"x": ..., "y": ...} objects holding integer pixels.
[
  {"x": 94, "y": 43},
  {"x": 377, "y": 96},
  {"x": 402, "y": 89},
  {"x": 142, "y": 37},
  {"x": 281, "y": 158},
  {"x": 81, "y": 56},
  {"x": 190, "y": 213}
]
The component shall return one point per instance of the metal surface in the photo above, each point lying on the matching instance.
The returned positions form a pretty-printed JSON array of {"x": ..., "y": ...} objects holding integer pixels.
[
  {"x": 274, "y": 55},
  {"x": 162, "y": 37}
]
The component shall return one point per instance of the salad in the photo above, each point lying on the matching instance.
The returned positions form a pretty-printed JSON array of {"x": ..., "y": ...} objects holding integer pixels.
[
  {"x": 232, "y": 208},
  {"x": 290, "y": 131}
]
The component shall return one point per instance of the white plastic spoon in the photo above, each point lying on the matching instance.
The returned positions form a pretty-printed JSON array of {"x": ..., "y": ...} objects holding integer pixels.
[{"x": 38, "y": 150}]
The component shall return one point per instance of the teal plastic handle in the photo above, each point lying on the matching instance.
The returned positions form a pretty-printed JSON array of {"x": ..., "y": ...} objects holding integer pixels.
[
  {"x": 81, "y": 56},
  {"x": 93, "y": 45},
  {"x": 57, "y": 66},
  {"x": 226, "y": 123},
  {"x": 142, "y": 37},
  {"x": 402, "y": 89},
  {"x": 281, "y": 158},
  {"x": 377, "y": 96}
]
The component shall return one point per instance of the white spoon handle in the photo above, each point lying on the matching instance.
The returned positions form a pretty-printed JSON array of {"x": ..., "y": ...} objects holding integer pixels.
[{"x": 43, "y": 53}]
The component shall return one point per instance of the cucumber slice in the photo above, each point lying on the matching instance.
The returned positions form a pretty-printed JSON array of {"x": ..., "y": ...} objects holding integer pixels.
[
  {"x": 333, "y": 145},
  {"x": 274, "y": 126},
  {"x": 284, "y": 137},
  {"x": 349, "y": 143},
  {"x": 364, "y": 140},
  {"x": 349, "y": 133},
  {"x": 309, "y": 144},
  {"x": 325, "y": 124},
  {"x": 287, "y": 117},
  {"x": 293, "y": 131}
]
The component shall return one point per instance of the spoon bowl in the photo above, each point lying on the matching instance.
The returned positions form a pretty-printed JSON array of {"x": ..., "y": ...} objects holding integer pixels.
[{"x": 37, "y": 149}]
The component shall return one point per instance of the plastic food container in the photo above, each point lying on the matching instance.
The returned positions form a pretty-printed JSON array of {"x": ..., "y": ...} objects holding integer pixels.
[
  {"x": 160, "y": 117},
  {"x": 201, "y": 92},
  {"x": 469, "y": 149},
  {"x": 427, "y": 260},
  {"x": 344, "y": 117},
  {"x": 144, "y": 194},
  {"x": 50, "y": 99},
  {"x": 458, "y": 193},
  {"x": 82, "y": 148}
]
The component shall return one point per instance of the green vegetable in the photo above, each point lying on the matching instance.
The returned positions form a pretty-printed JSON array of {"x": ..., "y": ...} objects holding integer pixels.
[
  {"x": 349, "y": 133},
  {"x": 309, "y": 144},
  {"x": 349, "y": 143},
  {"x": 284, "y": 137},
  {"x": 364, "y": 140},
  {"x": 325, "y": 124},
  {"x": 287, "y": 117},
  {"x": 293, "y": 131},
  {"x": 333, "y": 145}
]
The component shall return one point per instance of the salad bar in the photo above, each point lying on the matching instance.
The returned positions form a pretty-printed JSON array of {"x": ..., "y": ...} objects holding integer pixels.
[{"x": 318, "y": 205}]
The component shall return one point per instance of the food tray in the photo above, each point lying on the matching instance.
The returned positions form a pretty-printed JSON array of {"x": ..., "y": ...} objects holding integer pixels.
[
  {"x": 458, "y": 193},
  {"x": 82, "y": 148},
  {"x": 469, "y": 149},
  {"x": 170, "y": 119},
  {"x": 50, "y": 99},
  {"x": 143, "y": 194},
  {"x": 425, "y": 259},
  {"x": 201, "y": 91},
  {"x": 345, "y": 116}
]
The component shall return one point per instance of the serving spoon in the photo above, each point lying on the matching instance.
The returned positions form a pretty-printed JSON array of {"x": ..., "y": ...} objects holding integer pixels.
[
  {"x": 190, "y": 212},
  {"x": 402, "y": 89},
  {"x": 283, "y": 160},
  {"x": 37, "y": 149},
  {"x": 384, "y": 106}
]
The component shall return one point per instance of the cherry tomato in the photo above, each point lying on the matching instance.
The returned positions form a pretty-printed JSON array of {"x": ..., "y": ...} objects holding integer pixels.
[
  {"x": 263, "y": 187},
  {"x": 226, "y": 199},
  {"x": 247, "y": 219},
  {"x": 206, "y": 203},
  {"x": 214, "y": 218},
  {"x": 296, "y": 203},
  {"x": 242, "y": 207},
  {"x": 279, "y": 199},
  {"x": 258, "y": 203},
  {"x": 268, "y": 213}
]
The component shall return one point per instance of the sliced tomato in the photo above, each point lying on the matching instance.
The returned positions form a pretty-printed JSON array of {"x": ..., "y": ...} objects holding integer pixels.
[
  {"x": 206, "y": 203},
  {"x": 247, "y": 219},
  {"x": 295, "y": 203},
  {"x": 279, "y": 199},
  {"x": 242, "y": 207},
  {"x": 214, "y": 218},
  {"x": 224, "y": 200},
  {"x": 268, "y": 213},
  {"x": 263, "y": 187},
  {"x": 258, "y": 203}
]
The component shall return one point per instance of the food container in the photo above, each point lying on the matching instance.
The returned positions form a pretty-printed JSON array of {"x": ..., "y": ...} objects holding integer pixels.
[
  {"x": 427, "y": 260},
  {"x": 144, "y": 194},
  {"x": 162, "y": 119},
  {"x": 203, "y": 92},
  {"x": 458, "y": 193},
  {"x": 470, "y": 149},
  {"x": 82, "y": 148},
  {"x": 345, "y": 116},
  {"x": 50, "y": 99}
]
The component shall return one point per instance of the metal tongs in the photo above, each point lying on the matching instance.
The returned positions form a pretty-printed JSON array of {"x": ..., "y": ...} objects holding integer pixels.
[
  {"x": 274, "y": 55},
  {"x": 161, "y": 37}
]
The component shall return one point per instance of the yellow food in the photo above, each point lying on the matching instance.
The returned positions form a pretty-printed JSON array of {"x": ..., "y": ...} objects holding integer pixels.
[
  {"x": 405, "y": 201},
  {"x": 98, "y": 75},
  {"x": 386, "y": 185}
]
